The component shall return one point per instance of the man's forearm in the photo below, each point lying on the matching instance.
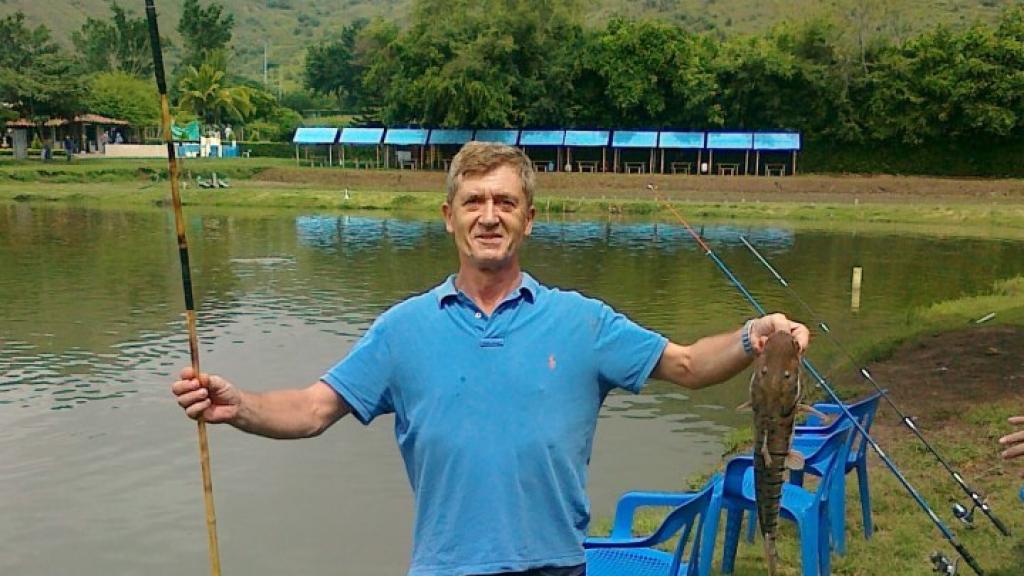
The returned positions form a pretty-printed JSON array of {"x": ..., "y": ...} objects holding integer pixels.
[
  {"x": 286, "y": 414},
  {"x": 707, "y": 361}
]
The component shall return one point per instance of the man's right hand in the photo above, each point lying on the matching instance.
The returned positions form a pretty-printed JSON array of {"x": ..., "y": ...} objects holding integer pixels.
[{"x": 210, "y": 396}]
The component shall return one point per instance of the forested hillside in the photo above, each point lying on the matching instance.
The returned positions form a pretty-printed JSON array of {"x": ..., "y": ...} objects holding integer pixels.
[{"x": 286, "y": 27}]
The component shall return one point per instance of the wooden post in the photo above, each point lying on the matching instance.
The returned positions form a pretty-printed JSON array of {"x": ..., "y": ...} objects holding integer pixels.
[
  {"x": 604, "y": 159},
  {"x": 746, "y": 162},
  {"x": 296, "y": 154},
  {"x": 794, "y": 162},
  {"x": 568, "y": 157},
  {"x": 342, "y": 155},
  {"x": 855, "y": 288},
  {"x": 700, "y": 156},
  {"x": 757, "y": 161},
  {"x": 615, "y": 161},
  {"x": 662, "y": 161},
  {"x": 711, "y": 161}
]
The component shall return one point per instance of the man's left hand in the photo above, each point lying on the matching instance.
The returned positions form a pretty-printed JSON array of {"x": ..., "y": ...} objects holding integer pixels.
[{"x": 763, "y": 327}]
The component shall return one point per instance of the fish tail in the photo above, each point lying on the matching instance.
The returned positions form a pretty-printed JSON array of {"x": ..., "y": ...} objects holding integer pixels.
[{"x": 769, "y": 552}]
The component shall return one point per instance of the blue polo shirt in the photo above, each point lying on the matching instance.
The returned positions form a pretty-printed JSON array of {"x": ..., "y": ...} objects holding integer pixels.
[{"x": 495, "y": 417}]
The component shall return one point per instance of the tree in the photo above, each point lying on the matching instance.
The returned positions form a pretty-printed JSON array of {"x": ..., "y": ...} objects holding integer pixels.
[
  {"x": 333, "y": 68},
  {"x": 652, "y": 74},
  {"x": 35, "y": 78},
  {"x": 204, "y": 92},
  {"x": 120, "y": 44},
  {"x": 121, "y": 95},
  {"x": 203, "y": 30}
]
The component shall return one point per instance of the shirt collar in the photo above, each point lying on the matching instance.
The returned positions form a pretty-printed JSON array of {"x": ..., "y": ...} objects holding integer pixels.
[{"x": 446, "y": 291}]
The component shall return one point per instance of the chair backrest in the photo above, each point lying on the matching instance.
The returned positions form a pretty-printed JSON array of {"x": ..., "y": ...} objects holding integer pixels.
[
  {"x": 864, "y": 411},
  {"x": 692, "y": 514},
  {"x": 403, "y": 155},
  {"x": 829, "y": 458}
]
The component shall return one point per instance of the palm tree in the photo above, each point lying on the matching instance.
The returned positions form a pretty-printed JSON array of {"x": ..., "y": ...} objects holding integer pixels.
[{"x": 203, "y": 91}]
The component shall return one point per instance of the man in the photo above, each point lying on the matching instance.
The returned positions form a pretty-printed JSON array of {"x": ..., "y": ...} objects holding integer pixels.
[{"x": 495, "y": 382}]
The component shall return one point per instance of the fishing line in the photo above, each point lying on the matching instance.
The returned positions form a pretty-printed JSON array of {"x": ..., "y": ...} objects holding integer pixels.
[
  {"x": 186, "y": 280},
  {"x": 959, "y": 510},
  {"x": 946, "y": 532}
]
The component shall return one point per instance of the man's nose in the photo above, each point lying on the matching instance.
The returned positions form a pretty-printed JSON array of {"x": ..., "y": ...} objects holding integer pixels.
[{"x": 490, "y": 215}]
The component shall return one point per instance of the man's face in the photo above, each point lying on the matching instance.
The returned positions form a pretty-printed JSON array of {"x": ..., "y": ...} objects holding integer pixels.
[{"x": 488, "y": 217}]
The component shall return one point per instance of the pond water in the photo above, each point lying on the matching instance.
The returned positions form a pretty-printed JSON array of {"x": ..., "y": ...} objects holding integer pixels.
[{"x": 99, "y": 470}]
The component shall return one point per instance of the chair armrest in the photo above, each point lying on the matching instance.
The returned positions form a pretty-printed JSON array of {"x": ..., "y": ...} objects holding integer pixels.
[
  {"x": 625, "y": 509},
  {"x": 824, "y": 408}
]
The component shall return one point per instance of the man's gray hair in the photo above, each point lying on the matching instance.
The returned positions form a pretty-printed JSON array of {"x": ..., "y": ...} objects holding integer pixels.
[{"x": 477, "y": 158}]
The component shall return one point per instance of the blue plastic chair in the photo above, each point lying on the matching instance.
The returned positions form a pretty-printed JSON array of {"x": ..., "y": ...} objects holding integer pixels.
[
  {"x": 623, "y": 554},
  {"x": 810, "y": 510},
  {"x": 809, "y": 437}
]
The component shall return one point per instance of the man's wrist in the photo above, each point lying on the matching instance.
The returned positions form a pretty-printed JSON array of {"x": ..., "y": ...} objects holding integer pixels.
[{"x": 748, "y": 346}]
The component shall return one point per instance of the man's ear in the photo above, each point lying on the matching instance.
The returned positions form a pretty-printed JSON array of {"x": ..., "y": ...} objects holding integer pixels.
[
  {"x": 446, "y": 211},
  {"x": 531, "y": 213}
]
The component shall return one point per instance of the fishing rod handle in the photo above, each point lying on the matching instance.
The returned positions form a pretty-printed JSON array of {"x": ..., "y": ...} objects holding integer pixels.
[
  {"x": 968, "y": 558},
  {"x": 999, "y": 523}
]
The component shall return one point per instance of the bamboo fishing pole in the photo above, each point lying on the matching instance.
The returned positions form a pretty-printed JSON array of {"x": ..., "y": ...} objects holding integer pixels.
[{"x": 186, "y": 280}]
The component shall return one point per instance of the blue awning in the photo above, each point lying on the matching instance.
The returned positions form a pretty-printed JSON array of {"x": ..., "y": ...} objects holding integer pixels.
[
  {"x": 776, "y": 141},
  {"x": 595, "y": 138},
  {"x": 405, "y": 136},
  {"x": 687, "y": 140},
  {"x": 510, "y": 137},
  {"x": 315, "y": 135},
  {"x": 541, "y": 137},
  {"x": 628, "y": 139},
  {"x": 730, "y": 140},
  {"x": 361, "y": 135},
  {"x": 443, "y": 136}
]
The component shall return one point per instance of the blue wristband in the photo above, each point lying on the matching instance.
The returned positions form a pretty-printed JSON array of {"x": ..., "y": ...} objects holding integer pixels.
[{"x": 748, "y": 348}]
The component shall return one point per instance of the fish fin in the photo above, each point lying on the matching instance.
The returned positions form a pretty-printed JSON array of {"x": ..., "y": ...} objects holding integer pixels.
[
  {"x": 807, "y": 409},
  {"x": 745, "y": 407},
  {"x": 765, "y": 453},
  {"x": 795, "y": 460}
]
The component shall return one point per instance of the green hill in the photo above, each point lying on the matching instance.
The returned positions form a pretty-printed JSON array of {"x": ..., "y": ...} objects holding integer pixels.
[{"x": 284, "y": 28}]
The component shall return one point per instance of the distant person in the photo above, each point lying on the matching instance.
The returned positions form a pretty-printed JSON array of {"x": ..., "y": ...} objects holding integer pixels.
[
  {"x": 229, "y": 134},
  {"x": 69, "y": 145},
  {"x": 104, "y": 140},
  {"x": 495, "y": 381},
  {"x": 118, "y": 139},
  {"x": 1013, "y": 443}
]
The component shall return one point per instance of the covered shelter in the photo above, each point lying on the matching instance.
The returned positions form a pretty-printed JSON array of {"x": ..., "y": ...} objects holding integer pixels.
[
  {"x": 315, "y": 138},
  {"x": 627, "y": 143},
  {"x": 510, "y": 137},
  {"x": 21, "y": 131},
  {"x": 361, "y": 137},
  {"x": 408, "y": 145},
  {"x": 544, "y": 139},
  {"x": 87, "y": 131},
  {"x": 680, "y": 147},
  {"x": 443, "y": 141},
  {"x": 588, "y": 139},
  {"x": 730, "y": 143},
  {"x": 776, "y": 146}
]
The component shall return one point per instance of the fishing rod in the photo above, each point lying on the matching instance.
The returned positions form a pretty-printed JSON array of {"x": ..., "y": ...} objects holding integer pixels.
[
  {"x": 186, "y": 280},
  {"x": 961, "y": 512},
  {"x": 946, "y": 532}
]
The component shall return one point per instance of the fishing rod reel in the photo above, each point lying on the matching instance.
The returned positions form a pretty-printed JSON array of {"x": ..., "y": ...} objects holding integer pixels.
[
  {"x": 942, "y": 565},
  {"x": 963, "y": 514}
]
